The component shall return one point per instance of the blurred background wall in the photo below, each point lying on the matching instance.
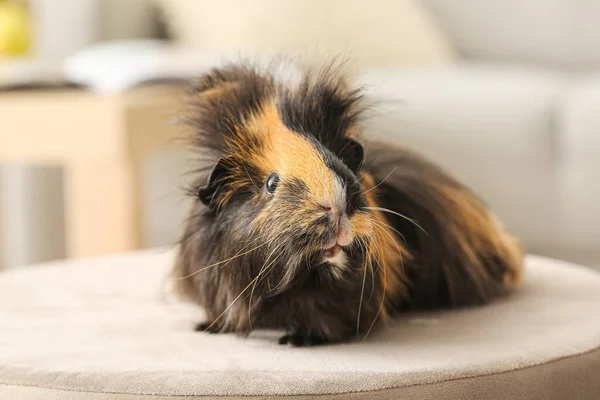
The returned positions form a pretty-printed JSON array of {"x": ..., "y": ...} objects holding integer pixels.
[{"x": 504, "y": 94}]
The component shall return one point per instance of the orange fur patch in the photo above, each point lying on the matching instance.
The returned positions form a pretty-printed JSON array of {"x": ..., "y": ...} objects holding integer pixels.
[
  {"x": 486, "y": 235},
  {"x": 291, "y": 154},
  {"x": 281, "y": 150},
  {"x": 386, "y": 247}
]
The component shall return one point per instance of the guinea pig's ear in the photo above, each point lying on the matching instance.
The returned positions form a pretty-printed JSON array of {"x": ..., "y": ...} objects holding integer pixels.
[
  {"x": 216, "y": 184},
  {"x": 352, "y": 154}
]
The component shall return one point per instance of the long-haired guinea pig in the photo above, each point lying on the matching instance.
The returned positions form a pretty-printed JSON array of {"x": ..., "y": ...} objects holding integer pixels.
[{"x": 300, "y": 225}]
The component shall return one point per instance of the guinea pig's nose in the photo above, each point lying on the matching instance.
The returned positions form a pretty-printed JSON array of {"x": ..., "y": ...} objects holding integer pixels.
[{"x": 327, "y": 207}]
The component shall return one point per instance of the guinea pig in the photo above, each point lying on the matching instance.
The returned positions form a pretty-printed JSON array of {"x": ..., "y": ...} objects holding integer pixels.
[{"x": 301, "y": 225}]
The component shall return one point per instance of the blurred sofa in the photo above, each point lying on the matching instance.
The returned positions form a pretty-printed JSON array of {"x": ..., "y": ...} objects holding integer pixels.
[
  {"x": 506, "y": 98},
  {"x": 516, "y": 116}
]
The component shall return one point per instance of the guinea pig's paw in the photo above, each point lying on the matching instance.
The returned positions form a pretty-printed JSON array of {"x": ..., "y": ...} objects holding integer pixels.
[
  {"x": 206, "y": 327},
  {"x": 303, "y": 340}
]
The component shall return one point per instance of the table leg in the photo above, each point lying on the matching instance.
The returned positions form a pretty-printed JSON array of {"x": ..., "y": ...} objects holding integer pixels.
[{"x": 100, "y": 208}]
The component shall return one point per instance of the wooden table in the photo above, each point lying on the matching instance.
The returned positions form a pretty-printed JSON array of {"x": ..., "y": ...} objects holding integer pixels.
[{"x": 100, "y": 140}]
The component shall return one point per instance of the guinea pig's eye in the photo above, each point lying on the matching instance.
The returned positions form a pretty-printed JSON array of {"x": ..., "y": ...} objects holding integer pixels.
[{"x": 272, "y": 182}]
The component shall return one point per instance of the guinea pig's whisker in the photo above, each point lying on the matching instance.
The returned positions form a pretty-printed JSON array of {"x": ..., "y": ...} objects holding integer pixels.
[
  {"x": 398, "y": 214},
  {"x": 279, "y": 283},
  {"x": 383, "y": 180},
  {"x": 377, "y": 220},
  {"x": 382, "y": 228},
  {"x": 233, "y": 302},
  {"x": 283, "y": 277},
  {"x": 395, "y": 242},
  {"x": 368, "y": 265},
  {"x": 381, "y": 302},
  {"x": 274, "y": 288},
  {"x": 227, "y": 261},
  {"x": 264, "y": 268},
  {"x": 268, "y": 257},
  {"x": 364, "y": 245},
  {"x": 240, "y": 295},
  {"x": 255, "y": 239},
  {"x": 362, "y": 293}
]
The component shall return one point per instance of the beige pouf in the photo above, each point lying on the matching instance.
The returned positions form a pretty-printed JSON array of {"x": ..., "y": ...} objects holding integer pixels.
[{"x": 101, "y": 329}]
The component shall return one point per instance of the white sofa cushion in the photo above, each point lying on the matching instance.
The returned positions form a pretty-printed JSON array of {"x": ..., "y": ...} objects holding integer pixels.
[
  {"x": 389, "y": 32},
  {"x": 493, "y": 127},
  {"x": 579, "y": 164},
  {"x": 580, "y": 121},
  {"x": 563, "y": 33},
  {"x": 99, "y": 329}
]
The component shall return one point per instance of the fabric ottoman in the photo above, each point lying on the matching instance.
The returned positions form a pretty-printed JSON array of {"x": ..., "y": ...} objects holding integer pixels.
[{"x": 104, "y": 329}]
